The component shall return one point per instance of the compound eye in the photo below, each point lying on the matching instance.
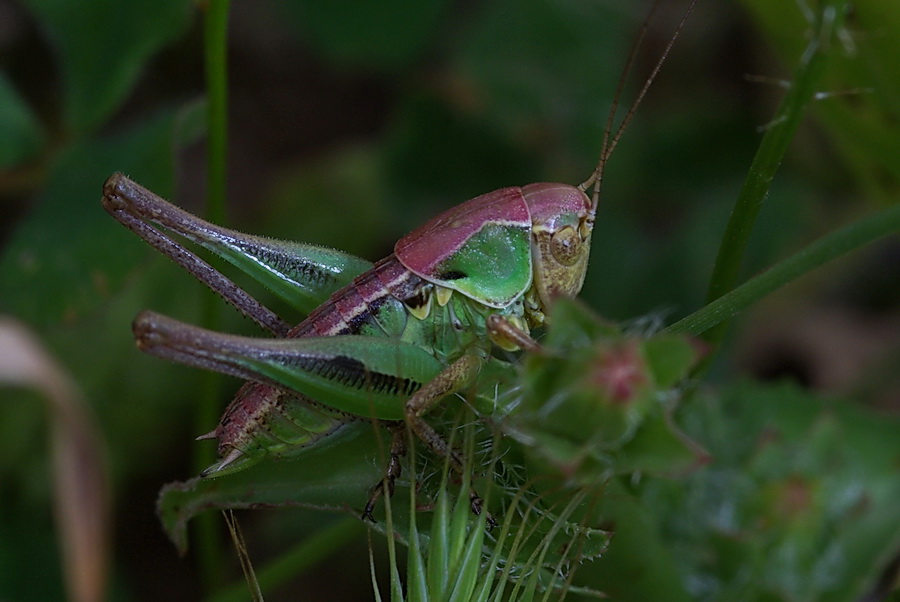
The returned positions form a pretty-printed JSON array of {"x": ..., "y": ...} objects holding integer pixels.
[{"x": 565, "y": 245}]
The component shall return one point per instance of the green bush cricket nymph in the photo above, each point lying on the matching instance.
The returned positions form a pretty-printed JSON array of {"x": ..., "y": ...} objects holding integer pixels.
[{"x": 386, "y": 341}]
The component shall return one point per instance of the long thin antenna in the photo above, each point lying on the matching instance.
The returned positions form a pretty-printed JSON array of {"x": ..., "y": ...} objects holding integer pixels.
[{"x": 609, "y": 144}]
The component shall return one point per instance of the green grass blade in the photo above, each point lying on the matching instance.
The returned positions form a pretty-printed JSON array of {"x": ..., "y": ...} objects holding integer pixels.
[
  {"x": 376, "y": 593},
  {"x": 469, "y": 564},
  {"x": 459, "y": 528},
  {"x": 827, "y": 248},
  {"x": 215, "y": 33},
  {"x": 439, "y": 547},
  {"x": 484, "y": 591},
  {"x": 416, "y": 573},
  {"x": 396, "y": 583}
]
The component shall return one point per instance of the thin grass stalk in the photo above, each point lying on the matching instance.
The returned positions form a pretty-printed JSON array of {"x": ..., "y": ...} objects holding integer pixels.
[
  {"x": 375, "y": 591},
  {"x": 210, "y": 548},
  {"x": 237, "y": 539}
]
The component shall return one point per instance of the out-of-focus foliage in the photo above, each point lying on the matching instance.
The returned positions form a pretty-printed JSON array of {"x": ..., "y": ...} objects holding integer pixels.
[
  {"x": 750, "y": 491},
  {"x": 350, "y": 135}
]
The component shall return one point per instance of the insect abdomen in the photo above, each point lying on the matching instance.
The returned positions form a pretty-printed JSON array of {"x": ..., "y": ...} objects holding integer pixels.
[
  {"x": 381, "y": 302},
  {"x": 263, "y": 420},
  {"x": 373, "y": 304}
]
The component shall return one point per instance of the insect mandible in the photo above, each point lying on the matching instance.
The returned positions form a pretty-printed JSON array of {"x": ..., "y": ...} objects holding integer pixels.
[{"x": 386, "y": 341}]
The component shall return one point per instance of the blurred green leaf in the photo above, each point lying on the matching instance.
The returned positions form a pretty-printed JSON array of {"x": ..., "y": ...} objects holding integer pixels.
[
  {"x": 659, "y": 448},
  {"x": 102, "y": 46},
  {"x": 427, "y": 175},
  {"x": 344, "y": 467},
  {"x": 669, "y": 358},
  {"x": 367, "y": 34},
  {"x": 639, "y": 564},
  {"x": 21, "y": 135},
  {"x": 525, "y": 65},
  {"x": 67, "y": 255},
  {"x": 304, "y": 202}
]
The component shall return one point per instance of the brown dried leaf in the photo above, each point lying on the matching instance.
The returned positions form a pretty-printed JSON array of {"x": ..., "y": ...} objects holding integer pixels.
[{"x": 81, "y": 484}]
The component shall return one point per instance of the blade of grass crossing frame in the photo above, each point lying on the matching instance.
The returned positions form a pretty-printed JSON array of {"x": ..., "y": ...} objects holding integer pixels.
[
  {"x": 829, "y": 247},
  {"x": 770, "y": 153}
]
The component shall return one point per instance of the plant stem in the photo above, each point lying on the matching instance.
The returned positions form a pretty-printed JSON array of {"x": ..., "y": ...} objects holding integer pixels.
[
  {"x": 768, "y": 157},
  {"x": 215, "y": 33},
  {"x": 216, "y": 53}
]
